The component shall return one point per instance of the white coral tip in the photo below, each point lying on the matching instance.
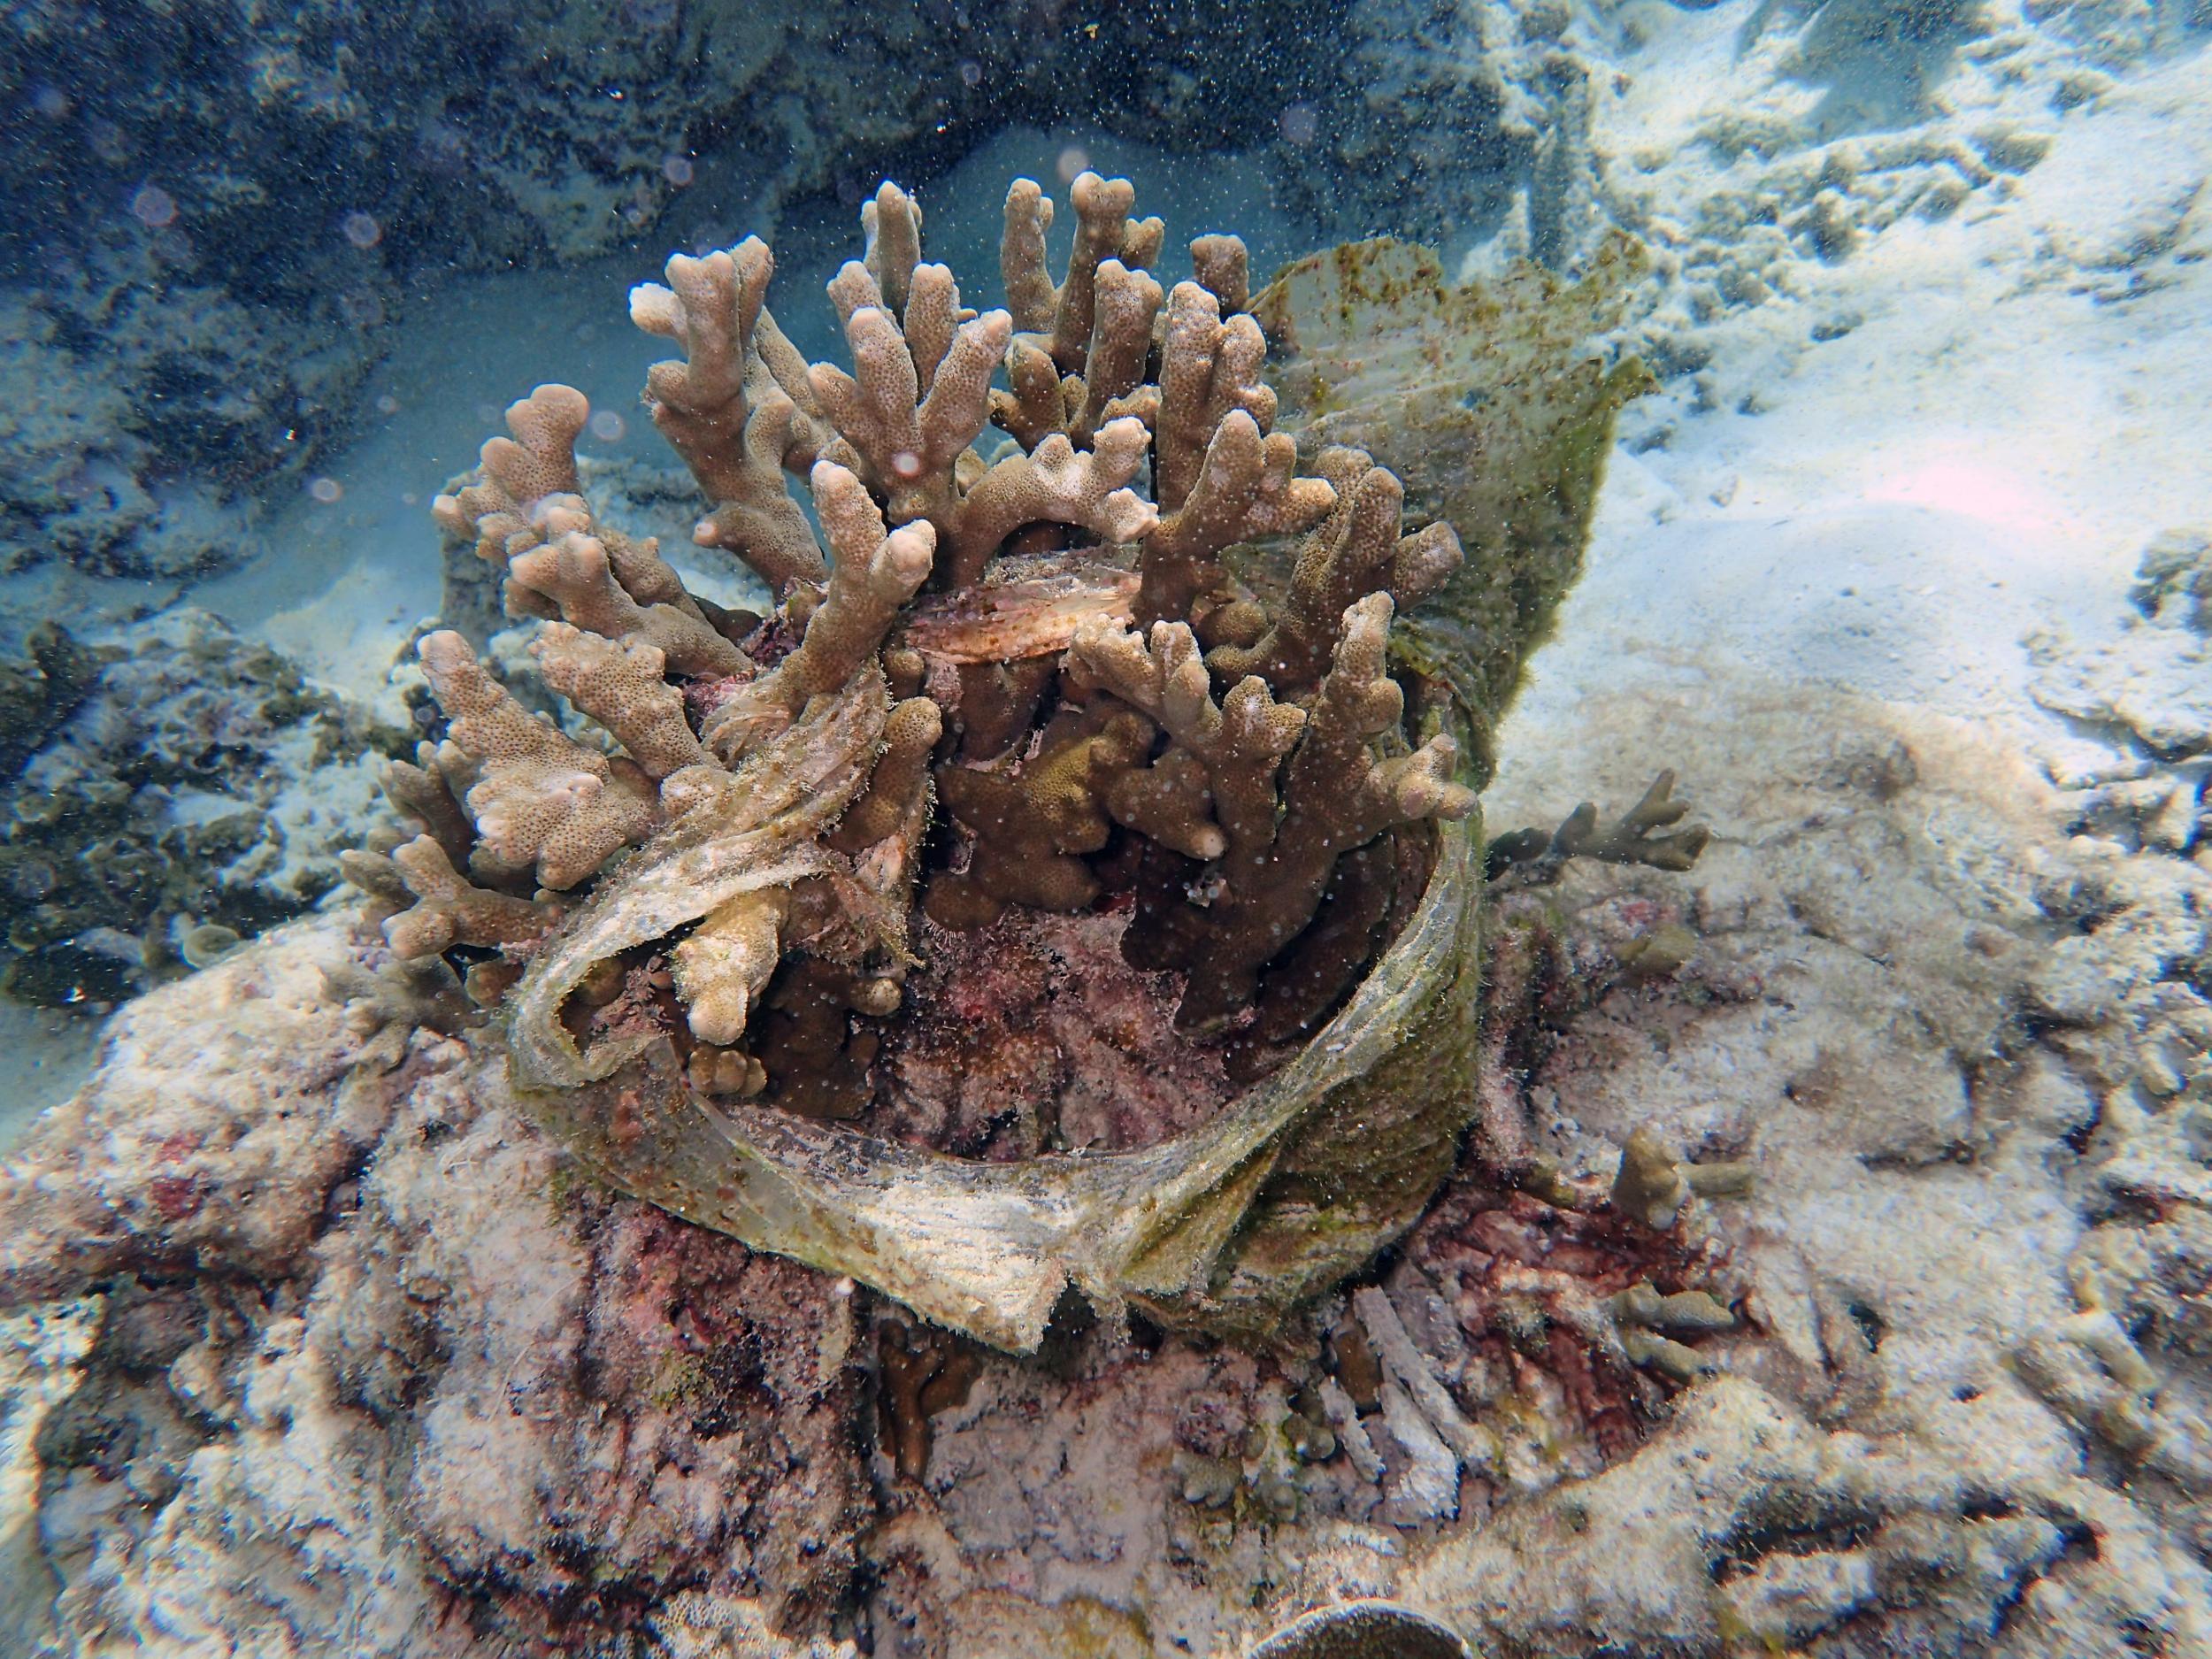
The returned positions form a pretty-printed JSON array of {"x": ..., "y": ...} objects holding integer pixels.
[{"x": 655, "y": 310}]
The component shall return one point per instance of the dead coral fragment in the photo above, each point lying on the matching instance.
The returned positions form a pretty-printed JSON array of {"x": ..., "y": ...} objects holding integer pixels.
[{"x": 925, "y": 1371}]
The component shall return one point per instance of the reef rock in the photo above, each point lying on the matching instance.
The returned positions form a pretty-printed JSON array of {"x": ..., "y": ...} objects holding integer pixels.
[
  {"x": 367, "y": 1371},
  {"x": 177, "y": 789}
]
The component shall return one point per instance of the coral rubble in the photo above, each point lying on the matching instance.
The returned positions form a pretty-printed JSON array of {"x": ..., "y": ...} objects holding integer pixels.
[
  {"x": 1127, "y": 659},
  {"x": 173, "y": 792}
]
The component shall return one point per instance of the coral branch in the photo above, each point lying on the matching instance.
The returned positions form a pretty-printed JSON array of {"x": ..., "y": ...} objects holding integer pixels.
[
  {"x": 448, "y": 909},
  {"x": 1337, "y": 795},
  {"x": 1224, "y": 269},
  {"x": 427, "y": 791},
  {"x": 539, "y": 796},
  {"x": 1030, "y": 827},
  {"x": 1528, "y": 857},
  {"x": 726, "y": 962},
  {"x": 1208, "y": 367},
  {"x": 1244, "y": 489},
  {"x": 1121, "y": 339},
  {"x": 619, "y": 683},
  {"x": 574, "y": 572},
  {"x": 1237, "y": 745},
  {"x": 1054, "y": 485},
  {"x": 901, "y": 443},
  {"x": 727, "y": 409},
  {"x": 900, "y": 780},
  {"x": 877, "y": 573},
  {"x": 1356, "y": 551},
  {"x": 1064, "y": 314}
]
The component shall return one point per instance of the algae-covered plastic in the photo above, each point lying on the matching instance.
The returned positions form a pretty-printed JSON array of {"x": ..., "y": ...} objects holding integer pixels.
[{"x": 1493, "y": 406}]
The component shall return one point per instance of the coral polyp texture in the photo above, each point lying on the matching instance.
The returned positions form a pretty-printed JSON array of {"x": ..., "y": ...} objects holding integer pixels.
[{"x": 1074, "y": 656}]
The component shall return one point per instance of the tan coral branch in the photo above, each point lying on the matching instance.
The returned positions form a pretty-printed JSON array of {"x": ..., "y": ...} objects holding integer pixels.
[
  {"x": 1029, "y": 828},
  {"x": 1356, "y": 551},
  {"x": 1063, "y": 313},
  {"x": 877, "y": 571},
  {"x": 901, "y": 773},
  {"x": 726, "y": 962},
  {"x": 446, "y": 907},
  {"x": 726, "y": 408},
  {"x": 540, "y": 796},
  {"x": 1055, "y": 484},
  {"x": 1336, "y": 796},
  {"x": 575, "y": 574},
  {"x": 618, "y": 684},
  {"x": 1246, "y": 489}
]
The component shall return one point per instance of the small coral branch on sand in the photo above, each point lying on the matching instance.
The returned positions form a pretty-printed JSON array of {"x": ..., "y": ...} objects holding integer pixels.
[{"x": 1529, "y": 858}]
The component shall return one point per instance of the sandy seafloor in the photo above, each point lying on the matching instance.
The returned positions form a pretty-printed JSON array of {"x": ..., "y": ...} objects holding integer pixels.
[{"x": 1908, "y": 532}]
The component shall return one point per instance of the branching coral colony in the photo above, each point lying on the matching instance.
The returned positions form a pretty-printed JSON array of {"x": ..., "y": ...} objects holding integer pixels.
[{"x": 1023, "y": 680}]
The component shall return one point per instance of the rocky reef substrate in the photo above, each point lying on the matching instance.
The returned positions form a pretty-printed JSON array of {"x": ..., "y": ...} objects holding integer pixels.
[{"x": 316, "y": 1333}]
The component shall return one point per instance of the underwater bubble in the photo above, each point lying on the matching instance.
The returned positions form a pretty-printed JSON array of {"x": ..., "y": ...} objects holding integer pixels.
[
  {"x": 634, "y": 215},
  {"x": 363, "y": 310},
  {"x": 108, "y": 140},
  {"x": 677, "y": 170},
  {"x": 1300, "y": 124},
  {"x": 907, "y": 464},
  {"x": 325, "y": 491},
  {"x": 52, "y": 102},
  {"x": 387, "y": 404},
  {"x": 361, "y": 229},
  {"x": 1074, "y": 160},
  {"x": 607, "y": 427},
  {"x": 971, "y": 73},
  {"x": 154, "y": 207}
]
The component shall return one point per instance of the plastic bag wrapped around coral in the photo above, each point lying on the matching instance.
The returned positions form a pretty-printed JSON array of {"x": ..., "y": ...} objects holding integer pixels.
[
  {"x": 1074, "y": 879},
  {"x": 1488, "y": 404}
]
